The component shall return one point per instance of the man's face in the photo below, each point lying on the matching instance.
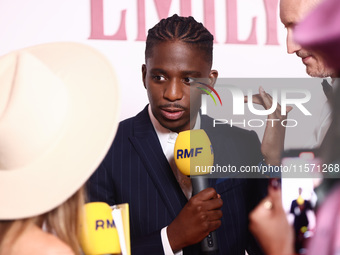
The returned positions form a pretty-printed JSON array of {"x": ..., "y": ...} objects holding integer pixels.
[
  {"x": 168, "y": 77},
  {"x": 291, "y": 13}
]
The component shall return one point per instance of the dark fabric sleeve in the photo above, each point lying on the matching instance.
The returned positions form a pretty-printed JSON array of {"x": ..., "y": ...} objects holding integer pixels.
[
  {"x": 116, "y": 181},
  {"x": 99, "y": 187},
  {"x": 292, "y": 207},
  {"x": 150, "y": 244}
]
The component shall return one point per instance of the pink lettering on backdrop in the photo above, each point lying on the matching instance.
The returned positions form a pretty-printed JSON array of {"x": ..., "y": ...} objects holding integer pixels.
[
  {"x": 97, "y": 23},
  {"x": 209, "y": 16},
  {"x": 163, "y": 8},
  {"x": 141, "y": 36},
  {"x": 232, "y": 26},
  {"x": 271, "y": 23},
  {"x": 185, "y": 8}
]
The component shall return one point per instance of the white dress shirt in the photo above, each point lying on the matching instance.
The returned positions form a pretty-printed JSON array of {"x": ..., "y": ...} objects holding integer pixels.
[{"x": 322, "y": 124}]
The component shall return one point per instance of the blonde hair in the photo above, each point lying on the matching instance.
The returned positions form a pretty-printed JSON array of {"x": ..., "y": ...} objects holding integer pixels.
[{"x": 63, "y": 221}]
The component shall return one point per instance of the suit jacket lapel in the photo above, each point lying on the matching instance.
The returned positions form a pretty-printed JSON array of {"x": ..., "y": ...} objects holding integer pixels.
[{"x": 148, "y": 147}]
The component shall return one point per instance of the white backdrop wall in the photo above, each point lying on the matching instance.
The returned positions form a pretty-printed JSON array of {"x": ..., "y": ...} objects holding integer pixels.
[
  {"x": 24, "y": 23},
  {"x": 249, "y": 38}
]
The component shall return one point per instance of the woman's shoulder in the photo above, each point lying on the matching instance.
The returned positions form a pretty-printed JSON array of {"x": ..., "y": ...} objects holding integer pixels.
[
  {"x": 35, "y": 241},
  {"x": 52, "y": 245}
]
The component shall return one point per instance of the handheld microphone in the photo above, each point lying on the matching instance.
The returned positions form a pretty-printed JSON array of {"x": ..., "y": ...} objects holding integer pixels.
[
  {"x": 98, "y": 233},
  {"x": 194, "y": 156}
]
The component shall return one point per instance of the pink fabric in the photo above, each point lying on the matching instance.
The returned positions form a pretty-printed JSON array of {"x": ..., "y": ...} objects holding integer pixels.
[
  {"x": 320, "y": 31},
  {"x": 326, "y": 240}
]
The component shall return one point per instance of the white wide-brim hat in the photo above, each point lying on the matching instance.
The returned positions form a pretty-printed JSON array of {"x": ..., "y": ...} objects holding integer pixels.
[{"x": 59, "y": 111}]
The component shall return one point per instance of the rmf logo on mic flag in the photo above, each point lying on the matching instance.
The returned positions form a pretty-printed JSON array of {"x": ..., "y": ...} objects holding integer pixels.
[
  {"x": 193, "y": 152},
  {"x": 98, "y": 231}
]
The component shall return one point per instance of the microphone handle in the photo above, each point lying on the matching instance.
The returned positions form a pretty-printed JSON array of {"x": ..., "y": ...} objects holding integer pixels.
[{"x": 209, "y": 243}]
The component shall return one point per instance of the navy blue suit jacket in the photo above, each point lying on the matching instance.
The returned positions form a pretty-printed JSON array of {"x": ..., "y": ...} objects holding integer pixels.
[{"x": 136, "y": 171}]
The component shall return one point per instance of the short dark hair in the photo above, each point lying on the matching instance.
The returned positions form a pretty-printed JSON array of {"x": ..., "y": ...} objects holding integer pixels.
[{"x": 185, "y": 29}]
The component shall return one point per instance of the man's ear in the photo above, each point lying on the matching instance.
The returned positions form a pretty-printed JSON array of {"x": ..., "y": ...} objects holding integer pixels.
[
  {"x": 144, "y": 74},
  {"x": 213, "y": 77}
]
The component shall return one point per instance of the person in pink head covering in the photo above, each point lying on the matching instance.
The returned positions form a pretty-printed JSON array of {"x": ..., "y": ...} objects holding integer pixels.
[{"x": 319, "y": 32}]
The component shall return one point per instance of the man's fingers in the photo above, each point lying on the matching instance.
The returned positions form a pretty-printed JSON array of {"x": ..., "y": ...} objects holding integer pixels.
[
  {"x": 263, "y": 99},
  {"x": 213, "y": 204},
  {"x": 206, "y": 194},
  {"x": 256, "y": 99},
  {"x": 289, "y": 108},
  {"x": 214, "y": 215},
  {"x": 266, "y": 100},
  {"x": 215, "y": 225}
]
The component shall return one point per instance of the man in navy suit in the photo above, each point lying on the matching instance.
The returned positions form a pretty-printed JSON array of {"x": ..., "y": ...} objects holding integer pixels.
[{"x": 139, "y": 168}]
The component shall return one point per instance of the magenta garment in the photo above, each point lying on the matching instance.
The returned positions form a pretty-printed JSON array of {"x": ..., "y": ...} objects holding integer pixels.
[
  {"x": 326, "y": 240},
  {"x": 320, "y": 31}
]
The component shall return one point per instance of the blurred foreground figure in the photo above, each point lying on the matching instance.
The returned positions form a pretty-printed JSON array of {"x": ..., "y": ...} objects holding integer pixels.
[
  {"x": 58, "y": 116},
  {"x": 320, "y": 32}
]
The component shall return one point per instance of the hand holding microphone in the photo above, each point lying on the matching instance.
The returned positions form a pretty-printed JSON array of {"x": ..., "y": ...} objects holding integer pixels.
[{"x": 201, "y": 215}]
